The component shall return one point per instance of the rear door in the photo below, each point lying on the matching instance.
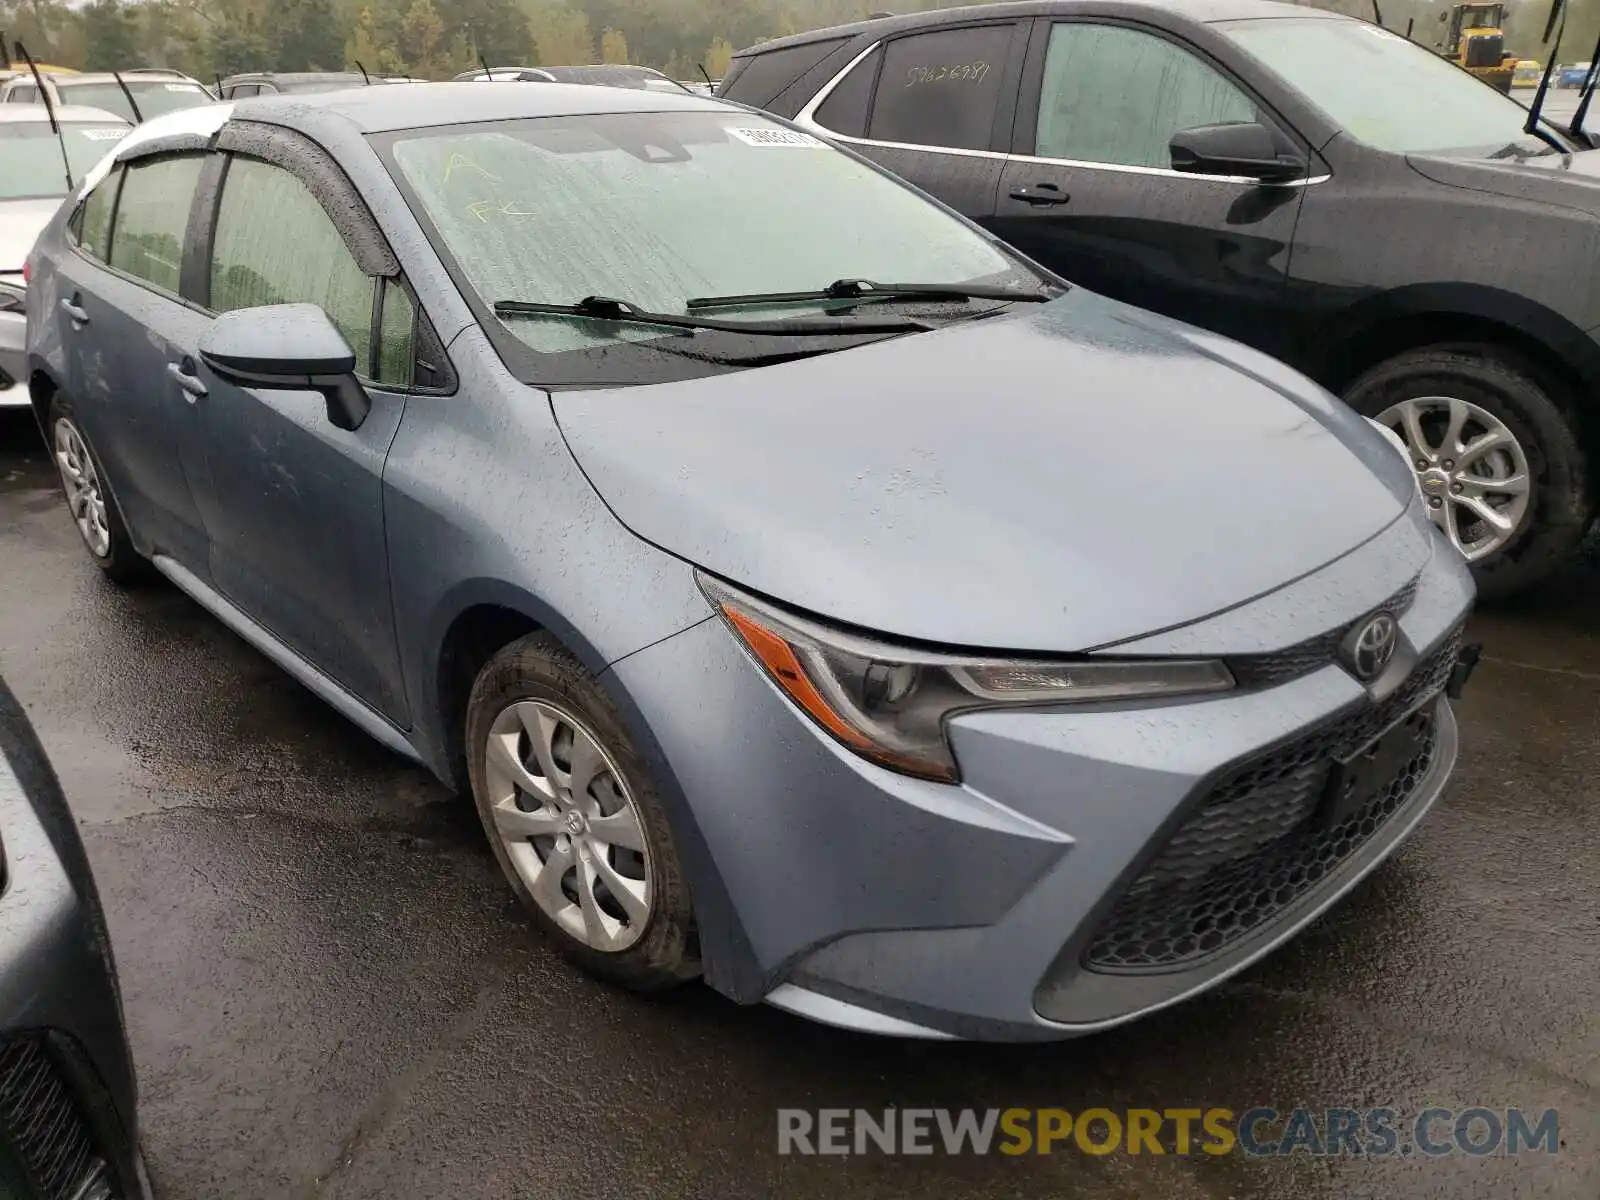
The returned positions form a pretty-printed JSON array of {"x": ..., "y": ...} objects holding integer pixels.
[
  {"x": 120, "y": 308},
  {"x": 1089, "y": 190},
  {"x": 934, "y": 106}
]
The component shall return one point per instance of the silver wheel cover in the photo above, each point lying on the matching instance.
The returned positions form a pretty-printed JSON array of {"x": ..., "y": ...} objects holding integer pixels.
[
  {"x": 1472, "y": 470},
  {"x": 81, "y": 481},
  {"x": 569, "y": 825}
]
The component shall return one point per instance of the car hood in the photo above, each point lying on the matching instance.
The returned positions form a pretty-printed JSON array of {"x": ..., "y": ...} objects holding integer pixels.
[
  {"x": 1067, "y": 477},
  {"x": 21, "y": 223},
  {"x": 1569, "y": 180}
]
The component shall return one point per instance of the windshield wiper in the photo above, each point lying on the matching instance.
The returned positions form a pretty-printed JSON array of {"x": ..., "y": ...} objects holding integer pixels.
[
  {"x": 605, "y": 308},
  {"x": 1576, "y": 127},
  {"x": 1557, "y": 8},
  {"x": 866, "y": 289}
]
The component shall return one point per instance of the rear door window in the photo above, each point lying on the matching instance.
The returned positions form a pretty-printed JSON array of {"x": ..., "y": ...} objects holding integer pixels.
[
  {"x": 941, "y": 88},
  {"x": 153, "y": 216},
  {"x": 93, "y": 228}
]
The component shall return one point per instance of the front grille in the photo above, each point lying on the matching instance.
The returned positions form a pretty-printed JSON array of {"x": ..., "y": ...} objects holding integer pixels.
[
  {"x": 1251, "y": 848},
  {"x": 1269, "y": 670},
  {"x": 43, "y": 1127},
  {"x": 1485, "y": 51}
]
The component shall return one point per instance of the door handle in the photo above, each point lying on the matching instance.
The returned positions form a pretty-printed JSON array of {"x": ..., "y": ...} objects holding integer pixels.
[
  {"x": 1040, "y": 194},
  {"x": 74, "y": 309},
  {"x": 183, "y": 375}
]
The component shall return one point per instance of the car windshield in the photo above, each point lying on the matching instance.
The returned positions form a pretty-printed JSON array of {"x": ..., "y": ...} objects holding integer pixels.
[
  {"x": 154, "y": 97},
  {"x": 1385, "y": 91},
  {"x": 30, "y": 155},
  {"x": 658, "y": 208}
]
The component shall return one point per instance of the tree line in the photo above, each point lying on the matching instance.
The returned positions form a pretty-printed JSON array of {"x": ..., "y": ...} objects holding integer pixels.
[
  {"x": 431, "y": 39},
  {"x": 434, "y": 39}
]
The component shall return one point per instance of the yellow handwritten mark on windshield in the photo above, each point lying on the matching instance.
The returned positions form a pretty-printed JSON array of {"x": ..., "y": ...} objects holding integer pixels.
[
  {"x": 462, "y": 162},
  {"x": 505, "y": 208}
]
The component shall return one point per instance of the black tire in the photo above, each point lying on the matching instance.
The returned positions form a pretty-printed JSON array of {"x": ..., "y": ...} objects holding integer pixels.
[
  {"x": 1541, "y": 419},
  {"x": 538, "y": 667},
  {"x": 120, "y": 563}
]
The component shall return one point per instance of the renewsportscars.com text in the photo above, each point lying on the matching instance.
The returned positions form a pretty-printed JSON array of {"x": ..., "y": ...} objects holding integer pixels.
[{"x": 1255, "y": 1132}]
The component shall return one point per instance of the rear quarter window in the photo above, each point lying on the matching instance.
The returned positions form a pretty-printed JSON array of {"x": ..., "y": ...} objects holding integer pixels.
[{"x": 764, "y": 76}]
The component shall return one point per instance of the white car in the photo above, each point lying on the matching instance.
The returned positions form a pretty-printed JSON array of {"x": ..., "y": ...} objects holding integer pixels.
[{"x": 37, "y": 169}]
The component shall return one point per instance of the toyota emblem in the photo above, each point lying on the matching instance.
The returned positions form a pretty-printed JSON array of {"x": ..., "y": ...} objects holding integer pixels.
[{"x": 1371, "y": 645}]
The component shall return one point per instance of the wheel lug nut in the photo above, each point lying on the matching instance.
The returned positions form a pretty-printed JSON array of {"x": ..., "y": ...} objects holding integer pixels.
[
  {"x": 1422, "y": 464},
  {"x": 1457, "y": 488},
  {"x": 1436, "y": 502},
  {"x": 1449, "y": 464}
]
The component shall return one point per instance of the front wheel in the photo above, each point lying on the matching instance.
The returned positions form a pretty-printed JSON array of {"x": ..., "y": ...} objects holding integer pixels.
[
  {"x": 574, "y": 820},
  {"x": 1497, "y": 455}
]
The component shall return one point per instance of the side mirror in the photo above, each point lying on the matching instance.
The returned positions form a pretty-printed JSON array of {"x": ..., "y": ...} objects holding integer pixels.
[
  {"x": 1237, "y": 148},
  {"x": 290, "y": 347}
]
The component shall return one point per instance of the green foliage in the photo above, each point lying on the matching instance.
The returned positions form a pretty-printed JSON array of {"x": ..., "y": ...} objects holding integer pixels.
[
  {"x": 613, "y": 47},
  {"x": 437, "y": 38}
]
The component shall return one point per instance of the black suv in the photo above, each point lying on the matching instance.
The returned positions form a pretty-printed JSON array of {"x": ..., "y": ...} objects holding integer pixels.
[{"x": 1311, "y": 184}]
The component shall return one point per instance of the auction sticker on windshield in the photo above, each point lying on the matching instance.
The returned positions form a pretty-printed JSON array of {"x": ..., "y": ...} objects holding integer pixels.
[{"x": 777, "y": 137}]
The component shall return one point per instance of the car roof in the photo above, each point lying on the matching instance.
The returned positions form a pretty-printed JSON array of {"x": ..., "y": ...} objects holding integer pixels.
[
  {"x": 139, "y": 76},
  {"x": 298, "y": 77},
  {"x": 67, "y": 114},
  {"x": 1204, "y": 11},
  {"x": 420, "y": 105}
]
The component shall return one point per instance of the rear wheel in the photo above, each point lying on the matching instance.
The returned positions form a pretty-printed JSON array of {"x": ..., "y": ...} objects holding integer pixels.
[
  {"x": 93, "y": 509},
  {"x": 1497, "y": 454},
  {"x": 574, "y": 820}
]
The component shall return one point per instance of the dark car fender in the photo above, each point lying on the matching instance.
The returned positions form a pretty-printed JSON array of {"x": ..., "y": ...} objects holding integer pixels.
[{"x": 1388, "y": 322}]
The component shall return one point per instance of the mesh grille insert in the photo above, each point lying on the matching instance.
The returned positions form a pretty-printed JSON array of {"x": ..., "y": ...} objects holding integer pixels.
[
  {"x": 42, "y": 1126},
  {"x": 1251, "y": 848}
]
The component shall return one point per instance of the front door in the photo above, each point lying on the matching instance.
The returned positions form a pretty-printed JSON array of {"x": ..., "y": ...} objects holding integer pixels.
[
  {"x": 1090, "y": 192},
  {"x": 294, "y": 506}
]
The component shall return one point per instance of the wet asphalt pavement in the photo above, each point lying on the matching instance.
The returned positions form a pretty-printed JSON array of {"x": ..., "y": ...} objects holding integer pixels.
[{"x": 332, "y": 994}]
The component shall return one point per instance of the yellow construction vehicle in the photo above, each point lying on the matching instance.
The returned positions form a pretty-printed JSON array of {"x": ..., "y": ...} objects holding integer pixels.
[{"x": 1474, "y": 39}]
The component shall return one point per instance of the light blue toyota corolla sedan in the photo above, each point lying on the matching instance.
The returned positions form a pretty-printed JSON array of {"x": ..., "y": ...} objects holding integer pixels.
[{"x": 813, "y": 595}]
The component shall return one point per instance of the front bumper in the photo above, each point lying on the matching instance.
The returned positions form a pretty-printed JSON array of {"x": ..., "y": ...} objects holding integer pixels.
[
  {"x": 67, "y": 1093},
  {"x": 862, "y": 898},
  {"x": 13, "y": 360}
]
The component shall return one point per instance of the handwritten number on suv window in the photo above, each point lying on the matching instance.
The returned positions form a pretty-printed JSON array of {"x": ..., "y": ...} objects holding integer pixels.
[{"x": 972, "y": 72}]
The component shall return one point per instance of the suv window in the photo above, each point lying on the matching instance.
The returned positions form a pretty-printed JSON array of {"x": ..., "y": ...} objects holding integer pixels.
[
  {"x": 274, "y": 244},
  {"x": 152, "y": 216},
  {"x": 941, "y": 88},
  {"x": 763, "y": 76},
  {"x": 23, "y": 93},
  {"x": 1116, "y": 95},
  {"x": 845, "y": 109}
]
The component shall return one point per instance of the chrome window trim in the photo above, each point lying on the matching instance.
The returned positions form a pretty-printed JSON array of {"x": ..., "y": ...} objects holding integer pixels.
[{"x": 806, "y": 118}]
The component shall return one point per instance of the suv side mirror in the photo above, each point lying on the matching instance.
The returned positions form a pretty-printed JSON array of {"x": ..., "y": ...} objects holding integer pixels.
[
  {"x": 290, "y": 347},
  {"x": 1236, "y": 148}
]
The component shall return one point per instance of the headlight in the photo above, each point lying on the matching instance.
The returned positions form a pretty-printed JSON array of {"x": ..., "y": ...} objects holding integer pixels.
[{"x": 889, "y": 703}]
